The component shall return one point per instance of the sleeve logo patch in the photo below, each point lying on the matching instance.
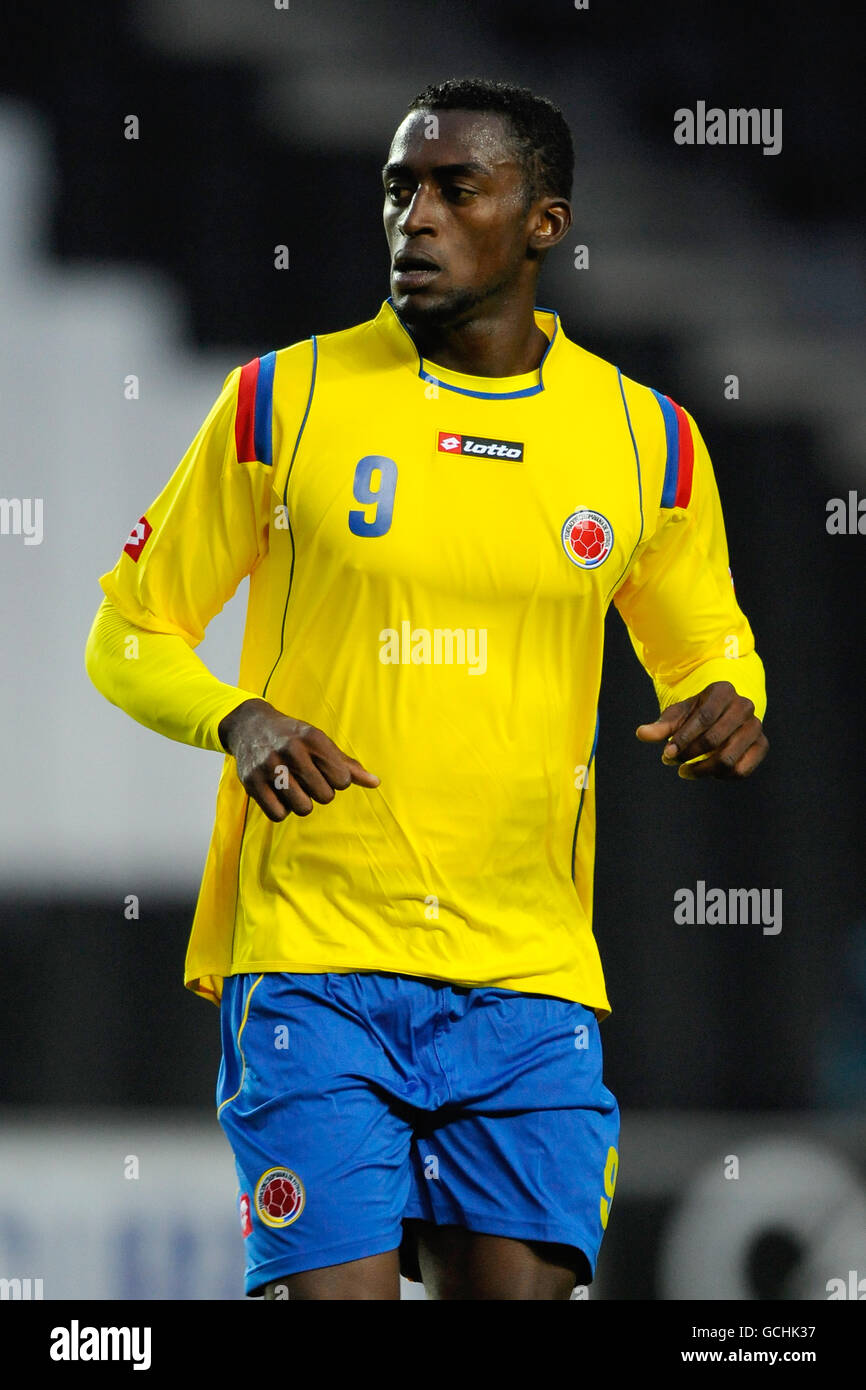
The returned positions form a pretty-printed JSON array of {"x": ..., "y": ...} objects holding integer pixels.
[
  {"x": 137, "y": 538},
  {"x": 587, "y": 538},
  {"x": 448, "y": 443}
]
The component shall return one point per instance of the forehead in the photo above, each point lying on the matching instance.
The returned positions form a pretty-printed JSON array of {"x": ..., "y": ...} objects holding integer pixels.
[{"x": 429, "y": 138}]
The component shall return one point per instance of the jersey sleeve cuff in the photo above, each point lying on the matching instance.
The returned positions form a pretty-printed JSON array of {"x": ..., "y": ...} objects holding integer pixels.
[{"x": 745, "y": 673}]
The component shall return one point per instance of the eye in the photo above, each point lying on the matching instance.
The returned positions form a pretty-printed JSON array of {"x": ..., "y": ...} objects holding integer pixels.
[
  {"x": 397, "y": 191},
  {"x": 458, "y": 194}
]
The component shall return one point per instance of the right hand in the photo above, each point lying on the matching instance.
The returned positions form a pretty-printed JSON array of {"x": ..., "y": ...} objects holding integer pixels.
[{"x": 283, "y": 764}]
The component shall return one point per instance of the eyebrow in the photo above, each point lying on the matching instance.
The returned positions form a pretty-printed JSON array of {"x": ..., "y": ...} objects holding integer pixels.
[{"x": 471, "y": 167}]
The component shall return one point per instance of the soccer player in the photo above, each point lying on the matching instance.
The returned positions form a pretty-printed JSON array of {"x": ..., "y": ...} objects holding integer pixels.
[{"x": 435, "y": 509}]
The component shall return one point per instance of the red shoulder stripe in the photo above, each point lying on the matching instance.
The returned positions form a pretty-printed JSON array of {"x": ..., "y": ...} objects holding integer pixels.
[
  {"x": 245, "y": 420},
  {"x": 686, "y": 459}
]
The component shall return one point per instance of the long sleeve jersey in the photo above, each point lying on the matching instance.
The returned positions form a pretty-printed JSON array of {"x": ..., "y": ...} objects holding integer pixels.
[{"x": 431, "y": 558}]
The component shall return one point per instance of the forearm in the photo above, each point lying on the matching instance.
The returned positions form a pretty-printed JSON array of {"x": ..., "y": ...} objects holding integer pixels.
[{"x": 158, "y": 680}]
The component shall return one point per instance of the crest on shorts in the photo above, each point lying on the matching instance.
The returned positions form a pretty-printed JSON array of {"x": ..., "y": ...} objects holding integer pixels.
[{"x": 279, "y": 1197}]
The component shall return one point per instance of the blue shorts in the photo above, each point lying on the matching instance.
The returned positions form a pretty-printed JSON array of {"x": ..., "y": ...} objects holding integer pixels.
[{"x": 356, "y": 1102}]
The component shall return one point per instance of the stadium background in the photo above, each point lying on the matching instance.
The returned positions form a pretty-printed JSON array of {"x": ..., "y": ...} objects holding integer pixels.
[{"x": 154, "y": 258}]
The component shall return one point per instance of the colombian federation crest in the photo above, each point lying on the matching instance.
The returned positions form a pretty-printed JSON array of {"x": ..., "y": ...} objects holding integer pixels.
[
  {"x": 279, "y": 1197},
  {"x": 587, "y": 538}
]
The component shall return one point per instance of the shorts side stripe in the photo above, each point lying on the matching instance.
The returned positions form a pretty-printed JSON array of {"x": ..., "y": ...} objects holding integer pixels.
[{"x": 240, "y": 1049}]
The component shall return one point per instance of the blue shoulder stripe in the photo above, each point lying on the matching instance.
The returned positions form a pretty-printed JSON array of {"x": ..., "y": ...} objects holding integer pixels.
[
  {"x": 672, "y": 461},
  {"x": 264, "y": 408}
]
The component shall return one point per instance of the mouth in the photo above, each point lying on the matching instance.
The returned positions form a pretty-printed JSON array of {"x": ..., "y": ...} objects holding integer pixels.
[{"x": 414, "y": 272}]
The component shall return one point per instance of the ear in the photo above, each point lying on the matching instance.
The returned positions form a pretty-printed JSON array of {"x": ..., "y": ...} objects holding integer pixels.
[{"x": 549, "y": 222}]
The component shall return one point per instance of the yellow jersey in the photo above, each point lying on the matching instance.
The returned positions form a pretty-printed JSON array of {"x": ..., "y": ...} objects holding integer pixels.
[{"x": 431, "y": 558}]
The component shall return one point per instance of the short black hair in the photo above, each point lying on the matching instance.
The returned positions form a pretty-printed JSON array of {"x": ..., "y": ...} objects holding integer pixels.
[{"x": 540, "y": 131}]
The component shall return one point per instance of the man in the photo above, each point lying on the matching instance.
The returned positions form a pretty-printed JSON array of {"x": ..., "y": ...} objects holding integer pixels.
[{"x": 435, "y": 508}]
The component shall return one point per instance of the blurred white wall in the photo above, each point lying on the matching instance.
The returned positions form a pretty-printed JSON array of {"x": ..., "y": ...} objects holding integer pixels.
[{"x": 89, "y": 800}]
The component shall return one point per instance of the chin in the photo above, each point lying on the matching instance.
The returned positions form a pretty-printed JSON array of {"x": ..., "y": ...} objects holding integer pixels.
[
  {"x": 442, "y": 310},
  {"x": 412, "y": 309}
]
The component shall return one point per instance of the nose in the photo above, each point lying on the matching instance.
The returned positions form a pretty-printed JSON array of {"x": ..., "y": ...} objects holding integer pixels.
[{"x": 419, "y": 216}]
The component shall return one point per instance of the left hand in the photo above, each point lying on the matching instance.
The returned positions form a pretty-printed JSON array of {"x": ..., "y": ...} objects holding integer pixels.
[{"x": 719, "y": 723}]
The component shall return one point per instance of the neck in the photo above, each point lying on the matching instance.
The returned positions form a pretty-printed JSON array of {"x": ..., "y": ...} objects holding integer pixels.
[{"x": 500, "y": 341}]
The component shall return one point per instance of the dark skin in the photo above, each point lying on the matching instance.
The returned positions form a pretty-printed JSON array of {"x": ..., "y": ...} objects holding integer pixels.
[
  {"x": 458, "y": 204},
  {"x": 467, "y": 241}
]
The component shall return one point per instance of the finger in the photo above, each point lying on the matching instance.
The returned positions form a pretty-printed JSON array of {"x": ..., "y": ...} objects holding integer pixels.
[
  {"x": 753, "y": 757},
  {"x": 295, "y": 764},
  {"x": 360, "y": 775},
  {"x": 714, "y": 702},
  {"x": 262, "y": 793},
  {"x": 667, "y": 722},
  {"x": 288, "y": 787},
  {"x": 725, "y": 761},
  {"x": 339, "y": 769},
  {"x": 713, "y": 737}
]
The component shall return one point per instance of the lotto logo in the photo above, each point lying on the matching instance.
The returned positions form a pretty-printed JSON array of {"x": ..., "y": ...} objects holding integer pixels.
[
  {"x": 510, "y": 449},
  {"x": 137, "y": 537}
]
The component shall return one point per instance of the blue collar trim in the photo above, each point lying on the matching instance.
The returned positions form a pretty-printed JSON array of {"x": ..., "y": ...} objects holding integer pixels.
[{"x": 483, "y": 395}]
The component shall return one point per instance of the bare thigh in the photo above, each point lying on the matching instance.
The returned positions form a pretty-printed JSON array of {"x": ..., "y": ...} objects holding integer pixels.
[
  {"x": 460, "y": 1264},
  {"x": 374, "y": 1277}
]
